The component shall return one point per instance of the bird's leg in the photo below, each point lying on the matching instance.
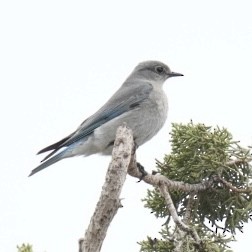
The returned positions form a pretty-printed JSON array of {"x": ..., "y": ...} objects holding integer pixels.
[
  {"x": 139, "y": 166},
  {"x": 142, "y": 171},
  {"x": 134, "y": 147}
]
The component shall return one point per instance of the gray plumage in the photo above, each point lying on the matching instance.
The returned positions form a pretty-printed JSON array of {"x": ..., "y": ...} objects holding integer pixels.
[{"x": 140, "y": 102}]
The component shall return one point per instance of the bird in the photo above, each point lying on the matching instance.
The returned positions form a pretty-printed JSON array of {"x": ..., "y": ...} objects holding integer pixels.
[{"x": 140, "y": 102}]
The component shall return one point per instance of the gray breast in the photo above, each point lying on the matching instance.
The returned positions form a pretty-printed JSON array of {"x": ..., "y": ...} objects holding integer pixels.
[{"x": 152, "y": 115}]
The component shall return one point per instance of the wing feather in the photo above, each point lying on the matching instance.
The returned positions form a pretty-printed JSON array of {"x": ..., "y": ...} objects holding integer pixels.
[{"x": 128, "y": 97}]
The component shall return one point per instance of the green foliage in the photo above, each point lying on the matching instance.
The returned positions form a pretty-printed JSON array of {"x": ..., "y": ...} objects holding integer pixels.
[
  {"x": 211, "y": 242},
  {"x": 200, "y": 153},
  {"x": 25, "y": 248}
]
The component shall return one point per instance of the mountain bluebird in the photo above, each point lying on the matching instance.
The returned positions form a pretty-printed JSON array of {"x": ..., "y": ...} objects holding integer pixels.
[{"x": 140, "y": 102}]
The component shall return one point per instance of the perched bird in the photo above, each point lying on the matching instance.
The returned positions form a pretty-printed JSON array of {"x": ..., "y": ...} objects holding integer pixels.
[{"x": 140, "y": 102}]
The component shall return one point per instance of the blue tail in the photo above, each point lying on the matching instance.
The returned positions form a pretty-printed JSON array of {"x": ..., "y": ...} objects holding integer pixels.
[{"x": 49, "y": 162}]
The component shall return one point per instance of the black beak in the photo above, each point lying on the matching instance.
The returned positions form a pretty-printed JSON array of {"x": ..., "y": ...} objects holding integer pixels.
[{"x": 174, "y": 74}]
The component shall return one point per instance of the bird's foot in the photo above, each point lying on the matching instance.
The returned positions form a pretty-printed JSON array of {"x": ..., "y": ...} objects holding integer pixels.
[{"x": 142, "y": 171}]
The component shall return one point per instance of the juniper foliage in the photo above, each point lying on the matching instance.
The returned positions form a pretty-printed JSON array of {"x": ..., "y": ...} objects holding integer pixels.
[{"x": 200, "y": 153}]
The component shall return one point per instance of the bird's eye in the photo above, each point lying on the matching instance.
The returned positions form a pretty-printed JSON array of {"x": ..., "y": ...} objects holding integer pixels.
[{"x": 159, "y": 69}]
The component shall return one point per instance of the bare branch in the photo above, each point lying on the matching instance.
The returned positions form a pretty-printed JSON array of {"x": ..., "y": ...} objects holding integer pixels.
[
  {"x": 165, "y": 193},
  {"x": 189, "y": 207},
  {"x": 239, "y": 161},
  {"x": 233, "y": 188},
  {"x": 156, "y": 179},
  {"x": 109, "y": 201}
]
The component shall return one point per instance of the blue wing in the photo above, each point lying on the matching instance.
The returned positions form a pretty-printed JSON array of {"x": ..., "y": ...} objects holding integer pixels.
[{"x": 128, "y": 97}]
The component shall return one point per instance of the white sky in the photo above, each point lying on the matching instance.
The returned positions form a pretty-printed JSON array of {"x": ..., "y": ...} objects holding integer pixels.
[{"x": 61, "y": 60}]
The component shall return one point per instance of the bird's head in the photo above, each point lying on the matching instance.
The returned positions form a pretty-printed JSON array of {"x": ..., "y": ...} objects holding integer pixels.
[{"x": 154, "y": 71}]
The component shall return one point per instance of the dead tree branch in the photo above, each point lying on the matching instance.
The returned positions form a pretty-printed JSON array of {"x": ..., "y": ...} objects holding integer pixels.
[{"x": 109, "y": 201}]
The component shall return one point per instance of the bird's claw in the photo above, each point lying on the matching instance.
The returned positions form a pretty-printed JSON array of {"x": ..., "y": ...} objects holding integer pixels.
[{"x": 142, "y": 171}]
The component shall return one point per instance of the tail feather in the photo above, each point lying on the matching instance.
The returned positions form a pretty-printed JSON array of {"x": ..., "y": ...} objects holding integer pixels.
[
  {"x": 49, "y": 155},
  {"x": 55, "y": 146},
  {"x": 49, "y": 162}
]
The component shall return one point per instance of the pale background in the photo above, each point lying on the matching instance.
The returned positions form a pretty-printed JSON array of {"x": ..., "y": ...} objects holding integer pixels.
[{"x": 61, "y": 60}]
